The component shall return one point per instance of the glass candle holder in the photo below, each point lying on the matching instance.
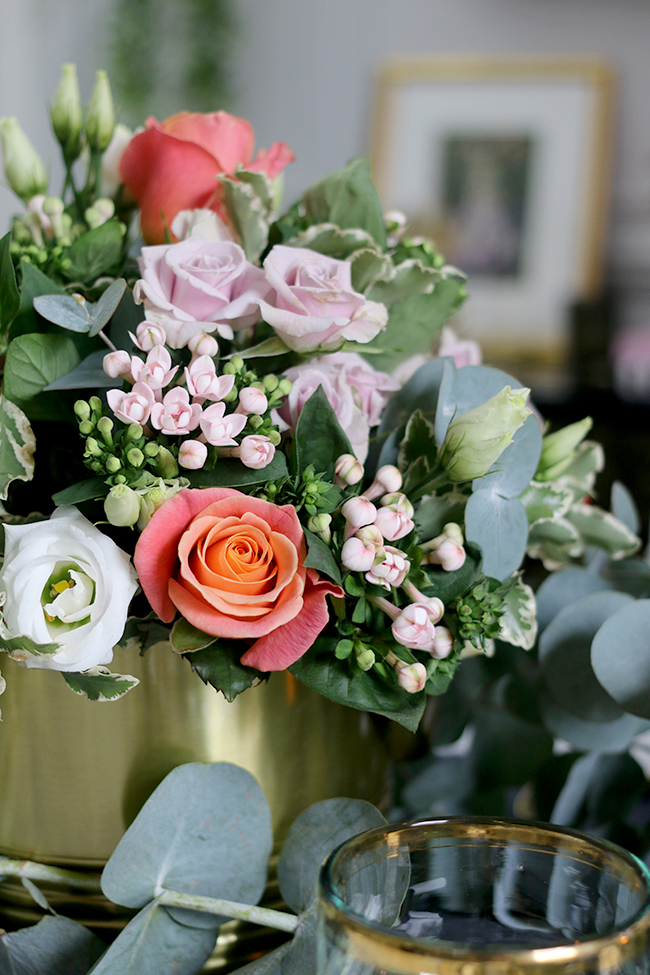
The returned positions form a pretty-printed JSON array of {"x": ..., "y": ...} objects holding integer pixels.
[{"x": 473, "y": 896}]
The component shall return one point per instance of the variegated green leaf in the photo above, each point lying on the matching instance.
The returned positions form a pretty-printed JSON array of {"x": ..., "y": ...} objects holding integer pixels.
[
  {"x": 580, "y": 475},
  {"x": 545, "y": 500},
  {"x": 99, "y": 684},
  {"x": 555, "y": 542},
  {"x": 368, "y": 266},
  {"x": 408, "y": 278},
  {"x": 333, "y": 241},
  {"x": 249, "y": 215},
  {"x": 518, "y": 625},
  {"x": 23, "y": 648},
  {"x": 601, "y": 528},
  {"x": 17, "y": 446}
]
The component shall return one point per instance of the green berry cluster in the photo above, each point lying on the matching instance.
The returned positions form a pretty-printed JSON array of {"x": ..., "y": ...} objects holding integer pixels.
[
  {"x": 308, "y": 490},
  {"x": 351, "y": 644},
  {"x": 275, "y": 389},
  {"x": 421, "y": 250},
  {"x": 119, "y": 452},
  {"x": 479, "y": 613}
]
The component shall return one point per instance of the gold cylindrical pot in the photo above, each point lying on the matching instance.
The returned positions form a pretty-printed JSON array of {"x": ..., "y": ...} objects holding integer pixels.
[{"x": 74, "y": 773}]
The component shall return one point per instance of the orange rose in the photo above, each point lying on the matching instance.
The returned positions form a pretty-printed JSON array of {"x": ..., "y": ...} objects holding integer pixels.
[
  {"x": 234, "y": 567},
  {"x": 173, "y": 165}
]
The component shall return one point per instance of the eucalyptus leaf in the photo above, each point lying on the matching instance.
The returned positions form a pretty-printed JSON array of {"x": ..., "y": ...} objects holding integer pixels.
[
  {"x": 319, "y": 557},
  {"x": 54, "y": 945},
  {"x": 153, "y": 943},
  {"x": 88, "y": 490},
  {"x": 302, "y": 956},
  {"x": 496, "y": 762},
  {"x": 319, "y": 439},
  {"x": 268, "y": 964},
  {"x": 628, "y": 575},
  {"x": 35, "y": 893},
  {"x": 89, "y": 374},
  {"x": 9, "y": 294},
  {"x": 620, "y": 658},
  {"x": 17, "y": 446},
  {"x": 231, "y": 473},
  {"x": 312, "y": 837},
  {"x": 562, "y": 588},
  {"x": 219, "y": 665},
  {"x": 572, "y": 798},
  {"x": 106, "y": 307},
  {"x": 205, "y": 830},
  {"x": 604, "y": 736},
  {"x": 564, "y": 656},
  {"x": 95, "y": 253},
  {"x": 499, "y": 527},
  {"x": 343, "y": 682},
  {"x": 64, "y": 310},
  {"x": 99, "y": 684},
  {"x": 34, "y": 361}
]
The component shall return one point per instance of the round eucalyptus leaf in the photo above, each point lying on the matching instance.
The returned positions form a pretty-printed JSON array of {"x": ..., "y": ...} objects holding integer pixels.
[
  {"x": 514, "y": 469},
  {"x": 55, "y": 944},
  {"x": 562, "y": 588},
  {"x": 624, "y": 508},
  {"x": 466, "y": 388},
  {"x": 500, "y": 528},
  {"x": 564, "y": 655},
  {"x": 205, "y": 830},
  {"x": 153, "y": 943},
  {"x": 419, "y": 393},
  {"x": 620, "y": 657},
  {"x": 312, "y": 837},
  {"x": 606, "y": 736}
]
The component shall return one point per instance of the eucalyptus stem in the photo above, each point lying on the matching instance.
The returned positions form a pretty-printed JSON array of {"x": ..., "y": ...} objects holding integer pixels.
[
  {"x": 55, "y": 875},
  {"x": 106, "y": 339},
  {"x": 243, "y": 912}
]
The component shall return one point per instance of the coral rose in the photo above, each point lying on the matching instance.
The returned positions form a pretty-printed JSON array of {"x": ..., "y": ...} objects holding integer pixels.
[
  {"x": 233, "y": 566},
  {"x": 173, "y": 165}
]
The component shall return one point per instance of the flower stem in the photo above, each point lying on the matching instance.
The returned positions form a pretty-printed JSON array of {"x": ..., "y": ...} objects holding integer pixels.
[
  {"x": 55, "y": 875},
  {"x": 106, "y": 339},
  {"x": 243, "y": 912},
  {"x": 387, "y": 607}
]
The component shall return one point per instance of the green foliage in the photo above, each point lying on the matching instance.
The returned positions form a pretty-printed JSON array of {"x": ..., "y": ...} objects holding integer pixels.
[
  {"x": 248, "y": 198},
  {"x": 218, "y": 664},
  {"x": 32, "y": 284},
  {"x": 499, "y": 527},
  {"x": 9, "y": 296},
  {"x": 99, "y": 684},
  {"x": 318, "y": 439},
  {"x": 33, "y": 362},
  {"x": 17, "y": 446},
  {"x": 319, "y": 557},
  {"x": 186, "y": 638},
  {"x": 81, "y": 316},
  {"x": 22, "y": 647},
  {"x": 448, "y": 586},
  {"x": 348, "y": 198},
  {"x": 96, "y": 253},
  {"x": 231, "y": 473},
  {"x": 619, "y": 656},
  {"x": 89, "y": 374},
  {"x": 55, "y": 944}
]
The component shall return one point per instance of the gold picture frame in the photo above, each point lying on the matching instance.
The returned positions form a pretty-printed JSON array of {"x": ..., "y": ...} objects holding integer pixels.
[{"x": 508, "y": 160}]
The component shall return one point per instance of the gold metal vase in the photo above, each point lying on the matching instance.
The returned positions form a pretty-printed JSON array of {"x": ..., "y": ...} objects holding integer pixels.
[{"x": 74, "y": 773}]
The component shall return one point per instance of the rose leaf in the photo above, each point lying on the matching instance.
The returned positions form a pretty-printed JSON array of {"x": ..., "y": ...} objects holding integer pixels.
[
  {"x": 219, "y": 665},
  {"x": 233, "y": 474},
  {"x": 320, "y": 557}
]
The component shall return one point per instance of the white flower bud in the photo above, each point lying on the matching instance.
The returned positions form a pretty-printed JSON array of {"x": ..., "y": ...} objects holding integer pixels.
[
  {"x": 411, "y": 677},
  {"x": 357, "y": 555},
  {"x": 117, "y": 364},
  {"x": 393, "y": 523},
  {"x": 387, "y": 479},
  {"x": 122, "y": 506},
  {"x": 415, "y": 627},
  {"x": 252, "y": 401},
  {"x": 192, "y": 455},
  {"x": 203, "y": 344},
  {"x": 148, "y": 334},
  {"x": 443, "y": 643},
  {"x": 100, "y": 114},
  {"x": 398, "y": 501},
  {"x": 256, "y": 451},
  {"x": 448, "y": 553},
  {"x": 347, "y": 470},
  {"x": 359, "y": 512},
  {"x": 391, "y": 571}
]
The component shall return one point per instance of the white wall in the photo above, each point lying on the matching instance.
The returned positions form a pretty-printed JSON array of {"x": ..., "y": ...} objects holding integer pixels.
[{"x": 305, "y": 73}]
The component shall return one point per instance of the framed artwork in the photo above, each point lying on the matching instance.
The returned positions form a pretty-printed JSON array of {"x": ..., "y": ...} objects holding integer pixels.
[{"x": 506, "y": 164}]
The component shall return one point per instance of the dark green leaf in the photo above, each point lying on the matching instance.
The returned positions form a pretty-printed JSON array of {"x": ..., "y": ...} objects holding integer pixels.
[
  {"x": 86, "y": 490},
  {"x": 186, "y": 638},
  {"x": 54, "y": 945},
  {"x": 564, "y": 655},
  {"x": 232, "y": 473},
  {"x": 619, "y": 654},
  {"x": 34, "y": 361},
  {"x": 434, "y": 513},
  {"x": 419, "y": 393},
  {"x": 99, "y": 684},
  {"x": 348, "y": 198},
  {"x": 23, "y": 647},
  {"x": 319, "y": 557},
  {"x": 441, "y": 677},
  {"x": 205, "y": 830},
  {"x": 33, "y": 283},
  {"x": 107, "y": 305},
  {"x": 9, "y": 296},
  {"x": 448, "y": 586},
  {"x": 89, "y": 374},
  {"x": 318, "y": 438},
  {"x": 496, "y": 761},
  {"x": 144, "y": 633},
  {"x": 314, "y": 834},
  {"x": 418, "y": 442},
  {"x": 342, "y": 681},
  {"x": 219, "y": 665},
  {"x": 269, "y": 347},
  {"x": 95, "y": 253}
]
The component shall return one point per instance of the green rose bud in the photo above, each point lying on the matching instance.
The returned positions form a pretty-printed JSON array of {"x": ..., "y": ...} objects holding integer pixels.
[
  {"x": 558, "y": 449},
  {"x": 100, "y": 114},
  {"x": 476, "y": 439},
  {"x": 24, "y": 170},
  {"x": 122, "y": 506},
  {"x": 166, "y": 463},
  {"x": 67, "y": 113}
]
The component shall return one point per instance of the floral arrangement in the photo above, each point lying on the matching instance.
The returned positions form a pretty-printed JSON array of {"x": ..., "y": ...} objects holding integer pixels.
[{"x": 241, "y": 455}]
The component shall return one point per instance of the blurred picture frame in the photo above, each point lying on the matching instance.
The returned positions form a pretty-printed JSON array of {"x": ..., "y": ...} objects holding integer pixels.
[{"x": 505, "y": 163}]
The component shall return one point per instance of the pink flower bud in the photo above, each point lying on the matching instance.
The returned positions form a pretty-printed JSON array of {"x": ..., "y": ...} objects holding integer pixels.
[
  {"x": 220, "y": 429},
  {"x": 392, "y": 570},
  {"x": 134, "y": 406},
  {"x": 435, "y": 606},
  {"x": 157, "y": 371},
  {"x": 443, "y": 643},
  {"x": 370, "y": 535},
  {"x": 192, "y": 454},
  {"x": 252, "y": 401},
  {"x": 449, "y": 554},
  {"x": 256, "y": 451},
  {"x": 203, "y": 344},
  {"x": 347, "y": 470},
  {"x": 147, "y": 335},
  {"x": 387, "y": 478},
  {"x": 117, "y": 364},
  {"x": 452, "y": 530},
  {"x": 398, "y": 501},
  {"x": 357, "y": 555},
  {"x": 411, "y": 677},
  {"x": 393, "y": 523},
  {"x": 174, "y": 415},
  {"x": 203, "y": 382},
  {"x": 359, "y": 512},
  {"x": 414, "y": 627}
]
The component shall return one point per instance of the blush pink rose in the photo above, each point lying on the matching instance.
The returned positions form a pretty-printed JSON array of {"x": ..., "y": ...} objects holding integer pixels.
[
  {"x": 199, "y": 286},
  {"x": 233, "y": 566},
  {"x": 314, "y": 305},
  {"x": 173, "y": 165}
]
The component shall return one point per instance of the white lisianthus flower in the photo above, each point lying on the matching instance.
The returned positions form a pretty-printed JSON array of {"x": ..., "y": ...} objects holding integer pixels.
[{"x": 66, "y": 582}]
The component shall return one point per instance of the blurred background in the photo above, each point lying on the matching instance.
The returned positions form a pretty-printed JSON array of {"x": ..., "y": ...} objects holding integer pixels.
[{"x": 308, "y": 73}]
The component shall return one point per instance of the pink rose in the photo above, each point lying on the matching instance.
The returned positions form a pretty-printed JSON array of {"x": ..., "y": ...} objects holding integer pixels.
[
  {"x": 173, "y": 165},
  {"x": 189, "y": 558},
  {"x": 314, "y": 305},
  {"x": 198, "y": 286},
  {"x": 372, "y": 387},
  {"x": 464, "y": 352}
]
